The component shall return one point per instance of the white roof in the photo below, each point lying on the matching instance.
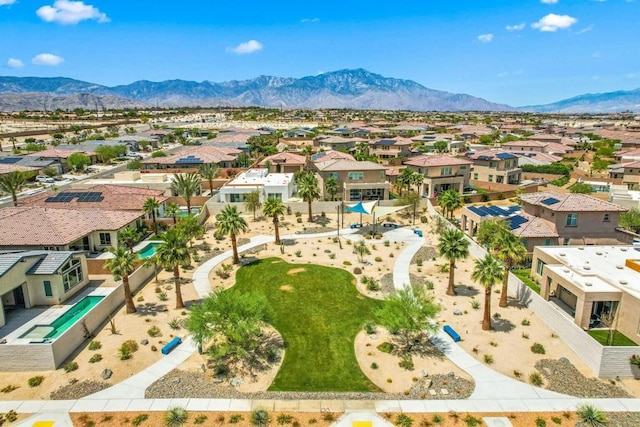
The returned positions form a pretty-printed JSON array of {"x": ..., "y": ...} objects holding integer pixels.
[{"x": 261, "y": 177}]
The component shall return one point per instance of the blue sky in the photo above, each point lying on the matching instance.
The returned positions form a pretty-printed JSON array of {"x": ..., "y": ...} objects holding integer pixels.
[{"x": 519, "y": 52}]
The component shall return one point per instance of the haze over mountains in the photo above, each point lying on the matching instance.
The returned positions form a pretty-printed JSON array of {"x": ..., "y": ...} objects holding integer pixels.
[{"x": 357, "y": 88}]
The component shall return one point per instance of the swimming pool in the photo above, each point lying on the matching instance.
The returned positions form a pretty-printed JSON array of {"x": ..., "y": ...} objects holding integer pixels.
[
  {"x": 148, "y": 251},
  {"x": 62, "y": 323}
]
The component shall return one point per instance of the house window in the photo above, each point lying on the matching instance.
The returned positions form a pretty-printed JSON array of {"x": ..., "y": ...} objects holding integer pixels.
[
  {"x": 547, "y": 242},
  {"x": 475, "y": 176},
  {"x": 355, "y": 176},
  {"x": 105, "y": 239},
  {"x": 606, "y": 218},
  {"x": 463, "y": 167},
  {"x": 445, "y": 171},
  {"x": 47, "y": 288},
  {"x": 492, "y": 165},
  {"x": 490, "y": 178},
  {"x": 72, "y": 274},
  {"x": 540, "y": 266},
  {"x": 524, "y": 242},
  {"x": 277, "y": 196},
  {"x": 333, "y": 175},
  {"x": 565, "y": 241},
  {"x": 572, "y": 220}
]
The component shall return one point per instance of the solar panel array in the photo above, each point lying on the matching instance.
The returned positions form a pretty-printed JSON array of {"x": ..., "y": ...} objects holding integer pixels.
[
  {"x": 550, "y": 201},
  {"x": 483, "y": 211},
  {"x": 82, "y": 196},
  {"x": 504, "y": 156},
  {"x": 516, "y": 221},
  {"x": 190, "y": 159},
  {"x": 10, "y": 160}
]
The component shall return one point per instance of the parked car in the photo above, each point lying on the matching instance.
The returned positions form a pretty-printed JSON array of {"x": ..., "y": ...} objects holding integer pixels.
[
  {"x": 134, "y": 155},
  {"x": 45, "y": 179}
]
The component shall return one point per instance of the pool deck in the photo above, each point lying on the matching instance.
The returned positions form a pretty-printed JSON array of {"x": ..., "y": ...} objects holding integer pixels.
[{"x": 22, "y": 320}]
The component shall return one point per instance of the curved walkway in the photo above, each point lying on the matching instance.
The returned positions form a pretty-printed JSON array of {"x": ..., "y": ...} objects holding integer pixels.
[{"x": 494, "y": 392}]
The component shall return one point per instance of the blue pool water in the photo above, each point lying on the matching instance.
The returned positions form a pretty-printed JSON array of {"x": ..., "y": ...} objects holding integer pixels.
[
  {"x": 148, "y": 250},
  {"x": 62, "y": 323}
]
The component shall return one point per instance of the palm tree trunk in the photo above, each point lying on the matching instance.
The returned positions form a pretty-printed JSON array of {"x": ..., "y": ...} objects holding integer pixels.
[
  {"x": 451, "y": 290},
  {"x": 277, "y": 230},
  {"x": 176, "y": 277},
  {"x": 14, "y": 196},
  {"x": 175, "y": 220},
  {"x": 188, "y": 200},
  {"x": 486, "y": 320},
  {"x": 128, "y": 297},
  {"x": 310, "y": 213},
  {"x": 234, "y": 245},
  {"x": 211, "y": 187},
  {"x": 155, "y": 224},
  {"x": 505, "y": 283}
]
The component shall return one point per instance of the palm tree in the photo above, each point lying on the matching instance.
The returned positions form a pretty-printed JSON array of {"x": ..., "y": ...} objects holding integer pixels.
[
  {"x": 274, "y": 208},
  {"x": 487, "y": 272},
  {"x": 11, "y": 183},
  {"x": 404, "y": 179},
  {"x": 449, "y": 200},
  {"x": 331, "y": 186},
  {"x": 308, "y": 190},
  {"x": 230, "y": 222},
  {"x": 152, "y": 261},
  {"x": 453, "y": 246},
  {"x": 190, "y": 226},
  {"x": 129, "y": 236},
  {"x": 252, "y": 202},
  {"x": 13, "y": 141},
  {"x": 510, "y": 250},
  {"x": 186, "y": 186},
  {"x": 150, "y": 207},
  {"x": 209, "y": 171},
  {"x": 172, "y": 253},
  {"x": 417, "y": 179},
  {"x": 172, "y": 210},
  {"x": 123, "y": 264}
]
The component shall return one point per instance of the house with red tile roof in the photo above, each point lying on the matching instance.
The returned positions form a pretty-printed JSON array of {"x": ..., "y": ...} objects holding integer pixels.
[
  {"x": 356, "y": 180},
  {"x": 441, "y": 173},
  {"x": 391, "y": 148},
  {"x": 60, "y": 156},
  {"x": 284, "y": 162},
  {"x": 495, "y": 165},
  {"x": 190, "y": 158}
]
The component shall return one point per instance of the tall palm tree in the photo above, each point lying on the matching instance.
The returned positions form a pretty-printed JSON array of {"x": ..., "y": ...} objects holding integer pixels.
[
  {"x": 172, "y": 253},
  {"x": 129, "y": 236},
  {"x": 487, "y": 272},
  {"x": 449, "y": 200},
  {"x": 11, "y": 183},
  {"x": 453, "y": 246},
  {"x": 510, "y": 250},
  {"x": 150, "y": 207},
  {"x": 274, "y": 208},
  {"x": 123, "y": 264},
  {"x": 230, "y": 222},
  {"x": 417, "y": 179},
  {"x": 172, "y": 210},
  {"x": 331, "y": 186},
  {"x": 308, "y": 190},
  {"x": 186, "y": 186},
  {"x": 252, "y": 202},
  {"x": 404, "y": 180},
  {"x": 152, "y": 261},
  {"x": 13, "y": 141},
  {"x": 190, "y": 226},
  {"x": 209, "y": 171}
]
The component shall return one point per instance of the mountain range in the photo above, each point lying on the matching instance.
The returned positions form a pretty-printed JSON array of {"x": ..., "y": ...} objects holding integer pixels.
[{"x": 359, "y": 89}]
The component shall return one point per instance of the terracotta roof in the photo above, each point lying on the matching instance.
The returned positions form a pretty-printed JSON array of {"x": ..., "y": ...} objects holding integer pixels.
[
  {"x": 206, "y": 153},
  {"x": 392, "y": 141},
  {"x": 436, "y": 160},
  {"x": 554, "y": 147},
  {"x": 346, "y": 165},
  {"x": 285, "y": 157},
  {"x": 38, "y": 226},
  {"x": 59, "y": 153},
  {"x": 570, "y": 202},
  {"x": 534, "y": 227},
  {"x": 525, "y": 143},
  {"x": 492, "y": 154},
  {"x": 326, "y": 139},
  {"x": 324, "y": 156},
  {"x": 6, "y": 168},
  {"x": 115, "y": 197}
]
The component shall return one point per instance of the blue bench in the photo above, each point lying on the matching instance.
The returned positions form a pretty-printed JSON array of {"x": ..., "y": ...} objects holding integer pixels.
[
  {"x": 417, "y": 233},
  {"x": 352, "y": 226},
  {"x": 390, "y": 225},
  {"x": 453, "y": 334},
  {"x": 171, "y": 345}
]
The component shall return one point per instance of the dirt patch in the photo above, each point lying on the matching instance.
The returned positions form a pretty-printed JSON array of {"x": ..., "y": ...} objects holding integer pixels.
[
  {"x": 286, "y": 288},
  {"x": 296, "y": 270}
]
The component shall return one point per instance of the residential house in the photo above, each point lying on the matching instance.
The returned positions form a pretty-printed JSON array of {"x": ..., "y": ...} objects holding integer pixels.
[
  {"x": 324, "y": 156},
  {"x": 441, "y": 173},
  {"x": 269, "y": 185},
  {"x": 58, "y": 156},
  {"x": 284, "y": 162},
  {"x": 391, "y": 148},
  {"x": 495, "y": 165},
  {"x": 324, "y": 142},
  {"x": 356, "y": 180},
  {"x": 35, "y": 227},
  {"x": 299, "y": 133},
  {"x": 39, "y": 278},
  {"x": 190, "y": 158},
  {"x": 525, "y": 146}
]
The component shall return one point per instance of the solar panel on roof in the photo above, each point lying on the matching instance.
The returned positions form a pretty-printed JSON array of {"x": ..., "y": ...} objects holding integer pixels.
[
  {"x": 10, "y": 160},
  {"x": 516, "y": 221},
  {"x": 550, "y": 201},
  {"x": 477, "y": 210},
  {"x": 504, "y": 156}
]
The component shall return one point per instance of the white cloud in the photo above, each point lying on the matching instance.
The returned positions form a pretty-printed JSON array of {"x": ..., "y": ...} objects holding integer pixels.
[
  {"x": 15, "y": 63},
  {"x": 552, "y": 23},
  {"x": 485, "y": 38},
  {"x": 247, "y": 47},
  {"x": 6, "y": 2},
  {"x": 70, "y": 12},
  {"x": 585, "y": 30},
  {"x": 309, "y": 20},
  {"x": 516, "y": 27},
  {"x": 549, "y": 1},
  {"x": 48, "y": 59}
]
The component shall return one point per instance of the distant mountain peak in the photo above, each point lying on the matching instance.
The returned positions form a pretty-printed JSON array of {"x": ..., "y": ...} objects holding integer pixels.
[{"x": 594, "y": 103}]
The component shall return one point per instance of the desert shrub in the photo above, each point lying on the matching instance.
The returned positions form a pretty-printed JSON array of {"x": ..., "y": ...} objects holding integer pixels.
[
  {"x": 283, "y": 419},
  {"x": 556, "y": 420},
  {"x": 35, "y": 381},
  {"x": 140, "y": 419},
  {"x": 200, "y": 419},
  {"x": 174, "y": 323},
  {"x": 385, "y": 347},
  {"x": 235, "y": 418},
  {"x": 95, "y": 345},
  {"x": 370, "y": 327},
  {"x": 537, "y": 348},
  {"x": 9, "y": 388},
  {"x": 332, "y": 256},
  {"x": 127, "y": 349},
  {"x": 378, "y": 259},
  {"x": 175, "y": 417},
  {"x": 419, "y": 262},
  {"x": 406, "y": 362},
  {"x": 540, "y": 422},
  {"x": 260, "y": 418},
  {"x": 488, "y": 359},
  {"x": 591, "y": 416},
  {"x": 472, "y": 421},
  {"x": 536, "y": 379},
  {"x": 374, "y": 365},
  {"x": 525, "y": 322},
  {"x": 70, "y": 367},
  {"x": 357, "y": 270},
  {"x": 154, "y": 331},
  {"x": 436, "y": 418},
  {"x": 346, "y": 263},
  {"x": 162, "y": 296},
  {"x": 95, "y": 358},
  {"x": 403, "y": 420},
  {"x": 328, "y": 416},
  {"x": 429, "y": 285},
  {"x": 475, "y": 304},
  {"x": 386, "y": 243},
  {"x": 525, "y": 336},
  {"x": 299, "y": 220},
  {"x": 371, "y": 283},
  {"x": 11, "y": 416},
  {"x": 423, "y": 219},
  {"x": 298, "y": 253}
]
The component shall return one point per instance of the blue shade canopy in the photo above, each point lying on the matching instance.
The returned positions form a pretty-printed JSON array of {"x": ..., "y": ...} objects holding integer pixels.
[{"x": 358, "y": 208}]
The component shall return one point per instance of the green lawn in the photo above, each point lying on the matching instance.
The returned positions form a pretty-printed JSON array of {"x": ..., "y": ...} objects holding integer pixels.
[
  {"x": 318, "y": 312},
  {"x": 524, "y": 276},
  {"x": 619, "y": 339}
]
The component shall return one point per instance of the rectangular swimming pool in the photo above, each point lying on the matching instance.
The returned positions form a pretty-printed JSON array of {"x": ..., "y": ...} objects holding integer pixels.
[
  {"x": 62, "y": 323},
  {"x": 148, "y": 251}
]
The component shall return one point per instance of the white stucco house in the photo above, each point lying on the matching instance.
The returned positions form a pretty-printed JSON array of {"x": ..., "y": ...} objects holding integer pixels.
[{"x": 277, "y": 185}]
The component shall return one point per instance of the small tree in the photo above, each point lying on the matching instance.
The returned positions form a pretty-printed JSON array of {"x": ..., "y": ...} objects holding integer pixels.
[
  {"x": 581, "y": 187},
  {"x": 487, "y": 272},
  {"x": 252, "y": 202},
  {"x": 11, "y": 183},
  {"x": 331, "y": 186},
  {"x": 453, "y": 246},
  {"x": 360, "y": 249},
  {"x": 308, "y": 190},
  {"x": 150, "y": 207},
  {"x": 230, "y": 222},
  {"x": 275, "y": 209},
  {"x": 186, "y": 186},
  {"x": 78, "y": 161},
  {"x": 172, "y": 253},
  {"x": 209, "y": 171},
  {"x": 190, "y": 227},
  {"x": 172, "y": 211},
  {"x": 630, "y": 220},
  {"x": 129, "y": 236},
  {"x": 123, "y": 264}
]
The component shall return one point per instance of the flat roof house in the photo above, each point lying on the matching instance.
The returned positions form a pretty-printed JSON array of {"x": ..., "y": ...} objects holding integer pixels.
[
  {"x": 269, "y": 185},
  {"x": 356, "y": 180},
  {"x": 441, "y": 173}
]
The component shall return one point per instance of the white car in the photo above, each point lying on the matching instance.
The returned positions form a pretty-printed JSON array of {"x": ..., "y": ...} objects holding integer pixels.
[{"x": 45, "y": 179}]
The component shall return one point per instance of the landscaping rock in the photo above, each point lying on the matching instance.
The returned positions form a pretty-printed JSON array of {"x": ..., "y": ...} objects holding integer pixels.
[
  {"x": 106, "y": 374},
  {"x": 78, "y": 390},
  {"x": 235, "y": 381},
  {"x": 457, "y": 312},
  {"x": 373, "y": 336},
  {"x": 144, "y": 342},
  {"x": 563, "y": 377},
  {"x": 424, "y": 373}
]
